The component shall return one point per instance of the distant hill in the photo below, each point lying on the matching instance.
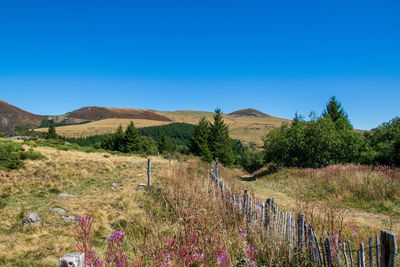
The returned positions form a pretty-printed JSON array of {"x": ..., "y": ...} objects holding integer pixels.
[
  {"x": 249, "y": 113},
  {"x": 98, "y": 113},
  {"x": 11, "y": 116}
]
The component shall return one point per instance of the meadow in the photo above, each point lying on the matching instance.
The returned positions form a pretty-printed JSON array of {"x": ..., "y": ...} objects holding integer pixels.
[{"x": 178, "y": 220}]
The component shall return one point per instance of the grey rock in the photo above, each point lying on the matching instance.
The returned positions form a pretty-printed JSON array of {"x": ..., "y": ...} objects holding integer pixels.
[
  {"x": 67, "y": 143},
  {"x": 68, "y": 218},
  {"x": 32, "y": 218},
  {"x": 114, "y": 184},
  {"x": 65, "y": 195},
  {"x": 72, "y": 260},
  {"x": 56, "y": 209}
]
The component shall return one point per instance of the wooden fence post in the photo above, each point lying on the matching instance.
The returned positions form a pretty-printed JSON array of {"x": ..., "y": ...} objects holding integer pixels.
[
  {"x": 378, "y": 257},
  {"x": 350, "y": 255},
  {"x": 328, "y": 250},
  {"x": 300, "y": 230},
  {"x": 216, "y": 167},
  {"x": 149, "y": 172},
  {"x": 388, "y": 249},
  {"x": 345, "y": 255},
  {"x": 362, "y": 255},
  {"x": 370, "y": 246}
]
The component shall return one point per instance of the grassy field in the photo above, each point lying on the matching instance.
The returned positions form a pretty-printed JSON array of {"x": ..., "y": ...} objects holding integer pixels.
[
  {"x": 101, "y": 127},
  {"x": 245, "y": 129},
  {"x": 181, "y": 207},
  {"x": 359, "y": 200}
]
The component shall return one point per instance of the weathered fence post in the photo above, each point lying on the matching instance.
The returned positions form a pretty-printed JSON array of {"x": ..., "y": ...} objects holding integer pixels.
[
  {"x": 344, "y": 254},
  {"x": 378, "y": 257},
  {"x": 370, "y": 246},
  {"x": 169, "y": 159},
  {"x": 362, "y": 255},
  {"x": 149, "y": 172},
  {"x": 72, "y": 260},
  {"x": 350, "y": 255},
  {"x": 388, "y": 249},
  {"x": 216, "y": 168},
  {"x": 339, "y": 261},
  {"x": 328, "y": 250},
  {"x": 300, "y": 230}
]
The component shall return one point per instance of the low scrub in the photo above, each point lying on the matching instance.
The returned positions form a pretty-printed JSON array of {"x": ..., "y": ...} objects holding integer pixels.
[{"x": 12, "y": 155}]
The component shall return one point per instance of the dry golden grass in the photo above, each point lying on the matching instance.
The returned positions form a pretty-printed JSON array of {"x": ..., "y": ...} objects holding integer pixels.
[
  {"x": 101, "y": 127},
  {"x": 86, "y": 175}
]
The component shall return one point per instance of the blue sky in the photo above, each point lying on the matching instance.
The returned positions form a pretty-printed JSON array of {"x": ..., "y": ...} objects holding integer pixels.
[{"x": 276, "y": 56}]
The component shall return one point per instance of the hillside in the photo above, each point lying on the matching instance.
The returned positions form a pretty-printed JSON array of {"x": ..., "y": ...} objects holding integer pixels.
[
  {"x": 249, "y": 113},
  {"x": 247, "y": 125},
  {"x": 98, "y": 113},
  {"x": 11, "y": 116}
]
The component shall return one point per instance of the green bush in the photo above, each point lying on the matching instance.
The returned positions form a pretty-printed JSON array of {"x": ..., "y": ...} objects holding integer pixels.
[{"x": 12, "y": 155}]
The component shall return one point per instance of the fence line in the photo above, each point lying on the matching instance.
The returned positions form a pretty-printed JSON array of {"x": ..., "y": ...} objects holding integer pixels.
[{"x": 299, "y": 236}]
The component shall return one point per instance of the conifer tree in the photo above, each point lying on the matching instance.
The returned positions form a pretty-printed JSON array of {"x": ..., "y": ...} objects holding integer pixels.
[
  {"x": 131, "y": 139},
  {"x": 165, "y": 145},
  {"x": 220, "y": 142},
  {"x": 336, "y": 113},
  {"x": 119, "y": 137},
  {"x": 199, "y": 142},
  {"x": 51, "y": 133}
]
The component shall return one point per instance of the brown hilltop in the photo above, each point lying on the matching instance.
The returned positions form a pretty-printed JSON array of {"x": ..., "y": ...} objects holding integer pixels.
[
  {"x": 249, "y": 113},
  {"x": 11, "y": 116},
  {"x": 98, "y": 113}
]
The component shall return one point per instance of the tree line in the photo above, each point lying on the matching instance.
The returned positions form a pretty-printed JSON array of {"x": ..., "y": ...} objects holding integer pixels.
[{"x": 330, "y": 139}]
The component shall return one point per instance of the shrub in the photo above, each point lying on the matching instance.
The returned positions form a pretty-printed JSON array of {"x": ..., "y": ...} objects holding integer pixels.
[{"x": 12, "y": 154}]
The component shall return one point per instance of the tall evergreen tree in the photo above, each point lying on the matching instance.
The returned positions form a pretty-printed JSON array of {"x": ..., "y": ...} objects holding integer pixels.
[
  {"x": 336, "y": 113},
  {"x": 119, "y": 137},
  {"x": 220, "y": 142},
  {"x": 165, "y": 145},
  {"x": 51, "y": 133},
  {"x": 131, "y": 139},
  {"x": 199, "y": 142}
]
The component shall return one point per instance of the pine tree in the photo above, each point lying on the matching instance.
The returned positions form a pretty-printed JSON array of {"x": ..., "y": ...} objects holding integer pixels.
[
  {"x": 119, "y": 137},
  {"x": 165, "y": 145},
  {"x": 51, "y": 133},
  {"x": 336, "y": 113},
  {"x": 131, "y": 139},
  {"x": 219, "y": 141},
  {"x": 199, "y": 142}
]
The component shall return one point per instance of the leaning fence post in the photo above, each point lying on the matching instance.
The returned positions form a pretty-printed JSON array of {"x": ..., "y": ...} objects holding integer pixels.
[
  {"x": 318, "y": 250},
  {"x": 72, "y": 260},
  {"x": 149, "y": 172},
  {"x": 350, "y": 255},
  {"x": 344, "y": 254},
  {"x": 388, "y": 249}
]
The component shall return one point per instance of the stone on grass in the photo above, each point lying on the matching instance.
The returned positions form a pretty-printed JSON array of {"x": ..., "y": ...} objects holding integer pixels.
[
  {"x": 68, "y": 218},
  {"x": 72, "y": 260},
  {"x": 65, "y": 195},
  {"x": 56, "y": 209},
  {"x": 32, "y": 218},
  {"x": 114, "y": 184}
]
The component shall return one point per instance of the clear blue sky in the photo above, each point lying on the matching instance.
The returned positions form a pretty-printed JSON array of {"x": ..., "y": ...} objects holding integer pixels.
[{"x": 275, "y": 56}]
